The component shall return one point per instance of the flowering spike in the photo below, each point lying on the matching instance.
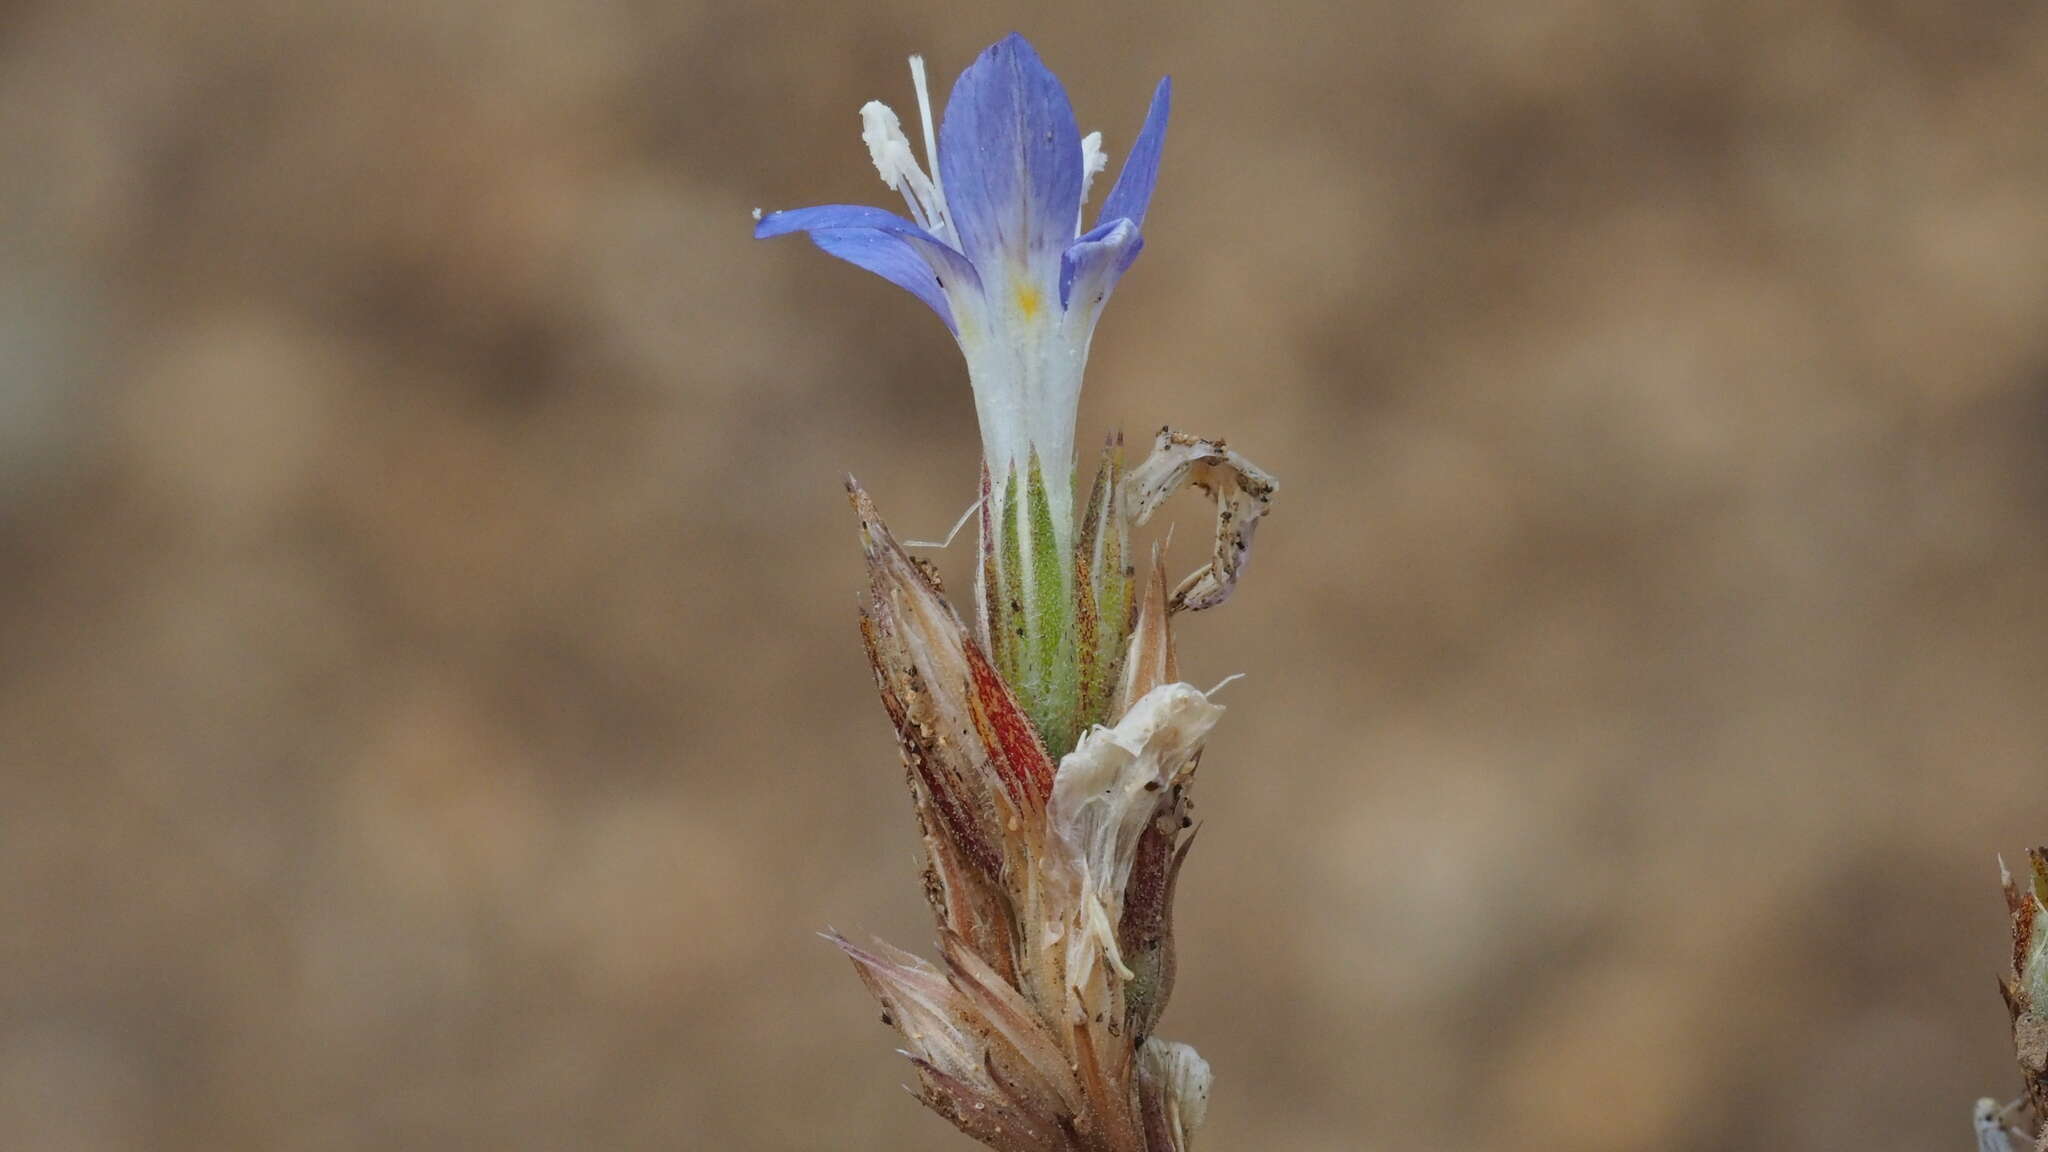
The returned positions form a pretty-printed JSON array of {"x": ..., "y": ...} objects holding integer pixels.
[{"x": 1050, "y": 753}]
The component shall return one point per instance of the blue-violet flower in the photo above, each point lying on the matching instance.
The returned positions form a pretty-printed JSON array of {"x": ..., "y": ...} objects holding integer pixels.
[{"x": 994, "y": 243}]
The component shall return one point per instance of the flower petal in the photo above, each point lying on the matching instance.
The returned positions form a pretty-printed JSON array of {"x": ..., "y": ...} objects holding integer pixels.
[
  {"x": 1091, "y": 268},
  {"x": 1133, "y": 191},
  {"x": 893, "y": 259},
  {"x": 883, "y": 243},
  {"x": 831, "y": 216},
  {"x": 1010, "y": 159}
]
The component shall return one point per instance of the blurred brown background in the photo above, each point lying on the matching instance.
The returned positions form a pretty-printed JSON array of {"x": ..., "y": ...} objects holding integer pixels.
[{"x": 430, "y": 705}]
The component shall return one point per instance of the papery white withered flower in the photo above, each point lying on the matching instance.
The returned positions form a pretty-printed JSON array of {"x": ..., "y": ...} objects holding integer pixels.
[
  {"x": 1049, "y": 751},
  {"x": 1104, "y": 797}
]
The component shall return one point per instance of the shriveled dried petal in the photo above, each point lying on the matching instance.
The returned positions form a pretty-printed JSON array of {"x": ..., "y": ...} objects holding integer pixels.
[
  {"x": 1106, "y": 792},
  {"x": 1242, "y": 490}
]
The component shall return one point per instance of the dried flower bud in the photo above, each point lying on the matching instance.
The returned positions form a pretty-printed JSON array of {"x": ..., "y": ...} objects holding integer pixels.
[{"x": 1173, "y": 1083}]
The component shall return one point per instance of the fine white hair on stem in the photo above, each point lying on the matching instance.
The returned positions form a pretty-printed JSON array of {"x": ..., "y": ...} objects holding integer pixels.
[{"x": 957, "y": 526}]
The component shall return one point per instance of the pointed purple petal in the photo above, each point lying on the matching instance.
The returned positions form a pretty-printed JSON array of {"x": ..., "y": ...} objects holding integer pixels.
[
  {"x": 1133, "y": 191},
  {"x": 1010, "y": 160},
  {"x": 883, "y": 243},
  {"x": 1091, "y": 268},
  {"x": 893, "y": 259},
  {"x": 831, "y": 216}
]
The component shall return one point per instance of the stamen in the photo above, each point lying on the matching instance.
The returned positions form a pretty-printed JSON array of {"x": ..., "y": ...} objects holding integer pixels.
[
  {"x": 942, "y": 219},
  {"x": 897, "y": 162},
  {"x": 890, "y": 150},
  {"x": 1093, "y": 160}
]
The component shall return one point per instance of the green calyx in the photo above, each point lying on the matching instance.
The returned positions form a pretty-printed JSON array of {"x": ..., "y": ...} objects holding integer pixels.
[{"x": 1057, "y": 614}]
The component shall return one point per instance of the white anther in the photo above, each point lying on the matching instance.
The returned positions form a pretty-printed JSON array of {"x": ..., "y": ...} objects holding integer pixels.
[
  {"x": 1093, "y": 160},
  {"x": 896, "y": 160},
  {"x": 883, "y": 134},
  {"x": 890, "y": 149}
]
